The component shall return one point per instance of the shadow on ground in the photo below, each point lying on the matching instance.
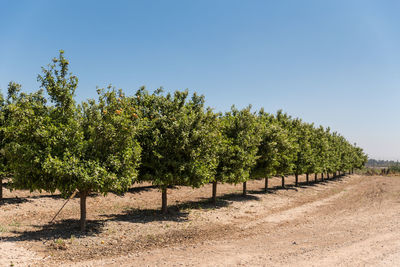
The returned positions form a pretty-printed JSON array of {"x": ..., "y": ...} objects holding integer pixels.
[
  {"x": 178, "y": 213},
  {"x": 12, "y": 200},
  {"x": 63, "y": 229}
]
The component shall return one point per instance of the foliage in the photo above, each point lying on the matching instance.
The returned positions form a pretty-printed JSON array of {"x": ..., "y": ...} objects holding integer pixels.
[
  {"x": 272, "y": 143},
  {"x": 241, "y": 136},
  {"x": 49, "y": 142},
  {"x": 178, "y": 139},
  {"x": 13, "y": 90},
  {"x": 287, "y": 146},
  {"x": 67, "y": 147}
]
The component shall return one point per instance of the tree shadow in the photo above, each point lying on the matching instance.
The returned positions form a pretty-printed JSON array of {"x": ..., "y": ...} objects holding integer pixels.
[
  {"x": 53, "y": 196},
  {"x": 304, "y": 184},
  {"x": 332, "y": 179},
  {"x": 139, "y": 189},
  {"x": 238, "y": 197},
  {"x": 148, "y": 215},
  {"x": 13, "y": 200},
  {"x": 62, "y": 229},
  {"x": 178, "y": 212},
  {"x": 286, "y": 187},
  {"x": 273, "y": 189},
  {"x": 132, "y": 190}
]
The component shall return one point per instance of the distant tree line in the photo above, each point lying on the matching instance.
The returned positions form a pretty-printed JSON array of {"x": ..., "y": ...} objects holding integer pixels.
[
  {"x": 50, "y": 142},
  {"x": 381, "y": 163}
]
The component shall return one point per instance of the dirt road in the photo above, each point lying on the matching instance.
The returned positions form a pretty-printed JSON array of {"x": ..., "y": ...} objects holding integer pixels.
[{"x": 353, "y": 221}]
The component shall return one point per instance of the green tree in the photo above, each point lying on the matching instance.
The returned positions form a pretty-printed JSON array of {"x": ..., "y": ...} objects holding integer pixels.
[
  {"x": 267, "y": 152},
  {"x": 67, "y": 147},
  {"x": 319, "y": 146},
  {"x": 13, "y": 90},
  {"x": 178, "y": 140},
  {"x": 334, "y": 154},
  {"x": 358, "y": 158},
  {"x": 309, "y": 151},
  {"x": 303, "y": 159},
  {"x": 312, "y": 160},
  {"x": 287, "y": 146},
  {"x": 237, "y": 153}
]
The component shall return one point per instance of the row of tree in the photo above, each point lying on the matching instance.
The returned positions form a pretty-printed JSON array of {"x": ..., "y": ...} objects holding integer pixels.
[{"x": 50, "y": 142}]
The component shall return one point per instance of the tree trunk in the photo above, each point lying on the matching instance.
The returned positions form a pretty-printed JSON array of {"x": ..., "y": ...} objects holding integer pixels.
[
  {"x": 164, "y": 209},
  {"x": 327, "y": 175},
  {"x": 266, "y": 185},
  {"x": 283, "y": 181},
  {"x": 83, "y": 196},
  {"x": 244, "y": 189},
  {"x": 214, "y": 193},
  {"x": 322, "y": 176},
  {"x": 307, "y": 180},
  {"x": 315, "y": 177},
  {"x": 296, "y": 183}
]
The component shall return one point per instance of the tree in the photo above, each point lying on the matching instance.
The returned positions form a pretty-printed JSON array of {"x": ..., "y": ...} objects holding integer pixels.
[
  {"x": 334, "y": 154},
  {"x": 287, "y": 146},
  {"x": 12, "y": 92},
  {"x": 312, "y": 159},
  {"x": 344, "y": 155},
  {"x": 178, "y": 140},
  {"x": 319, "y": 148},
  {"x": 304, "y": 157},
  {"x": 359, "y": 158},
  {"x": 267, "y": 152},
  {"x": 241, "y": 136},
  {"x": 67, "y": 147}
]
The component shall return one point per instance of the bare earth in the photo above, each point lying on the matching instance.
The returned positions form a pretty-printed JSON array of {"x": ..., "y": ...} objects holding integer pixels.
[{"x": 351, "y": 221}]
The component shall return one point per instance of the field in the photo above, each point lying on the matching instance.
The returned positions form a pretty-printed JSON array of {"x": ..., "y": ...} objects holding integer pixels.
[{"x": 351, "y": 221}]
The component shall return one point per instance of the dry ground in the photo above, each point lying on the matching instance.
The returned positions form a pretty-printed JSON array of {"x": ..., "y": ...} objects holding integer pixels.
[{"x": 351, "y": 221}]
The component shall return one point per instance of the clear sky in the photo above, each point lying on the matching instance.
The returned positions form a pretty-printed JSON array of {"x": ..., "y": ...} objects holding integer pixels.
[{"x": 335, "y": 63}]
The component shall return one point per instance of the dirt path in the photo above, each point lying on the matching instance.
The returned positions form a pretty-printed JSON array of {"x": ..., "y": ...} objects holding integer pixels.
[
  {"x": 14, "y": 255},
  {"x": 349, "y": 222}
]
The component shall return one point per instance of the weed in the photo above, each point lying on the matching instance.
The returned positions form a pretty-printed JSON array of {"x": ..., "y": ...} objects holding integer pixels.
[
  {"x": 59, "y": 244},
  {"x": 15, "y": 224},
  {"x": 59, "y": 241},
  {"x": 3, "y": 229}
]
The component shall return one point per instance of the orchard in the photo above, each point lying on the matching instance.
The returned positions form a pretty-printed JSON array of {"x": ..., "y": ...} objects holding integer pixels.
[{"x": 49, "y": 142}]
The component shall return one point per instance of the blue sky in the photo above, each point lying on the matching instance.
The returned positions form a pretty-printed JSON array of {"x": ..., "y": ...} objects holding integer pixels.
[{"x": 335, "y": 63}]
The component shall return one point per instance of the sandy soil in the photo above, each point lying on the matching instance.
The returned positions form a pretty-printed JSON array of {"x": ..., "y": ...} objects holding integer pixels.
[{"x": 351, "y": 221}]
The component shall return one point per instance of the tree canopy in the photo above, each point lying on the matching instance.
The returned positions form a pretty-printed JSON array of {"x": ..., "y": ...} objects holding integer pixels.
[{"x": 50, "y": 142}]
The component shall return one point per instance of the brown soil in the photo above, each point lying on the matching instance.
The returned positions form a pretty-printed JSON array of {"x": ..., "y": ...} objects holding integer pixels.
[{"x": 350, "y": 221}]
